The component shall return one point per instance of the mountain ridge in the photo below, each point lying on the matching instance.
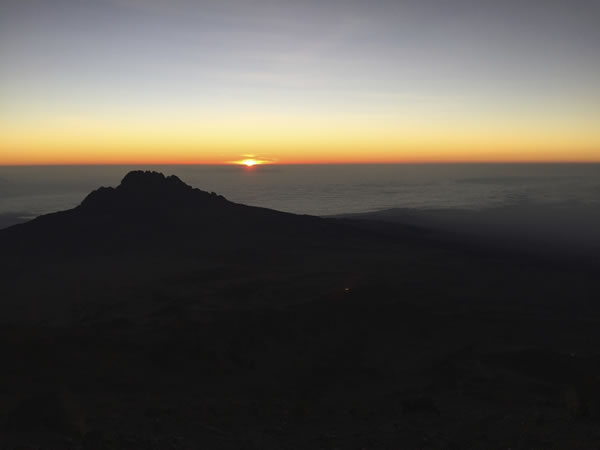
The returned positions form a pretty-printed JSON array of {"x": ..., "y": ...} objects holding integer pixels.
[
  {"x": 149, "y": 209},
  {"x": 148, "y": 189}
]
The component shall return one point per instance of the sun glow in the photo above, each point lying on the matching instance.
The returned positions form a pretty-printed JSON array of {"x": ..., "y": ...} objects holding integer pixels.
[{"x": 249, "y": 162}]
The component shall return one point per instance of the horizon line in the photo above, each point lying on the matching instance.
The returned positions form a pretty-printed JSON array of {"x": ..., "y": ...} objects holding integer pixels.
[{"x": 331, "y": 163}]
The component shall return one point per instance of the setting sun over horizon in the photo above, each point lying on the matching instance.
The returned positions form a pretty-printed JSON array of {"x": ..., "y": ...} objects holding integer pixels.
[
  {"x": 300, "y": 224},
  {"x": 183, "y": 82}
]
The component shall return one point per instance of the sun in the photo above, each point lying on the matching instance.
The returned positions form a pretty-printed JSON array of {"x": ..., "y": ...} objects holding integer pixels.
[{"x": 249, "y": 162}]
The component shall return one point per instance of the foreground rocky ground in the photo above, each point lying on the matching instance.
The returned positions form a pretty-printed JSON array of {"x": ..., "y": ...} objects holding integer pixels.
[{"x": 351, "y": 337}]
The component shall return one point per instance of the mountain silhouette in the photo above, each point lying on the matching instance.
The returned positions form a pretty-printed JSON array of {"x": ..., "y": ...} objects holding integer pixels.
[
  {"x": 150, "y": 192},
  {"x": 151, "y": 210}
]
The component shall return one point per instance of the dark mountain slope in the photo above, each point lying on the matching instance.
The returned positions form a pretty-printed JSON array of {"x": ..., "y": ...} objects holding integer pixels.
[{"x": 149, "y": 211}]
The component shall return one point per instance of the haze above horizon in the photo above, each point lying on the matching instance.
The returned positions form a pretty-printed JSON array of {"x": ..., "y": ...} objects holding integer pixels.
[{"x": 330, "y": 81}]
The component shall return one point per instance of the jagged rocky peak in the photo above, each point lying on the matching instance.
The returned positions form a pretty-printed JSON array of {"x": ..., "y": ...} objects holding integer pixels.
[
  {"x": 151, "y": 180},
  {"x": 147, "y": 189}
]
